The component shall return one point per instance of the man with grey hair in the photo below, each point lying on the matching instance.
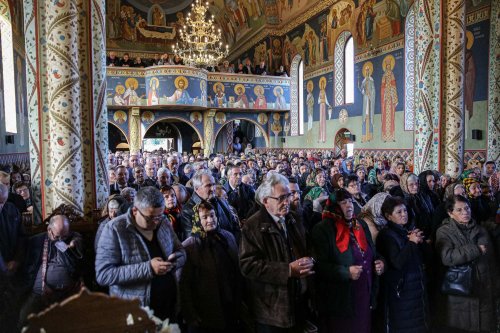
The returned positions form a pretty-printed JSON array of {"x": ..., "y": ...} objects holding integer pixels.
[
  {"x": 53, "y": 267},
  {"x": 273, "y": 259},
  {"x": 241, "y": 196},
  {"x": 204, "y": 190},
  {"x": 173, "y": 166},
  {"x": 164, "y": 177},
  {"x": 138, "y": 253}
]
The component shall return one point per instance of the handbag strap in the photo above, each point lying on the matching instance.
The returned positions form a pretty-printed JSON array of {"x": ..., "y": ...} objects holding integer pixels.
[{"x": 44, "y": 263}]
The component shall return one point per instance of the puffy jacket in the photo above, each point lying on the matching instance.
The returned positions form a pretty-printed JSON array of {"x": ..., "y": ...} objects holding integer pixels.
[{"x": 123, "y": 261}]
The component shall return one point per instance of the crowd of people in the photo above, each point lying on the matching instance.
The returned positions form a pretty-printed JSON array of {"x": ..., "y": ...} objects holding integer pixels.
[
  {"x": 166, "y": 59},
  {"x": 275, "y": 242}
]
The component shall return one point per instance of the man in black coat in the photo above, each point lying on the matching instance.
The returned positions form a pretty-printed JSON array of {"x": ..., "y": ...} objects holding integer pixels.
[
  {"x": 273, "y": 260},
  {"x": 121, "y": 181},
  {"x": 12, "y": 240},
  {"x": 204, "y": 190},
  {"x": 239, "y": 195}
]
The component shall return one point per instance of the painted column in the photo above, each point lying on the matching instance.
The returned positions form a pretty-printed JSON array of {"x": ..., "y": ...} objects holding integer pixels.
[
  {"x": 67, "y": 114},
  {"x": 229, "y": 135},
  {"x": 135, "y": 130},
  {"x": 208, "y": 132},
  {"x": 428, "y": 86},
  {"x": 493, "y": 152},
  {"x": 453, "y": 111}
]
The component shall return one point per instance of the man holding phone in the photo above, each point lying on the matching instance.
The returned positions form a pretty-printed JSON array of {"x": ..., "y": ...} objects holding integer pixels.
[{"x": 138, "y": 252}]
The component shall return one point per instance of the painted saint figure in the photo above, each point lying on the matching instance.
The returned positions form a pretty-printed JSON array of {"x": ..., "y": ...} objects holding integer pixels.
[
  {"x": 310, "y": 105},
  {"x": 323, "y": 102},
  {"x": 260, "y": 102},
  {"x": 242, "y": 100},
  {"x": 367, "y": 88},
  {"x": 180, "y": 95},
  {"x": 280, "y": 102},
  {"x": 220, "y": 95},
  {"x": 389, "y": 99},
  {"x": 130, "y": 97},
  {"x": 153, "y": 91}
]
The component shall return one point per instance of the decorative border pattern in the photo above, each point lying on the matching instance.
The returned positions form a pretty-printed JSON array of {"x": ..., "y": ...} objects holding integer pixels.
[
  {"x": 294, "y": 96},
  {"x": 100, "y": 118},
  {"x": 339, "y": 55},
  {"x": 380, "y": 50},
  {"x": 452, "y": 126},
  {"x": 494, "y": 85},
  {"x": 410, "y": 70},
  {"x": 14, "y": 158},
  {"x": 428, "y": 74},
  {"x": 321, "y": 71}
]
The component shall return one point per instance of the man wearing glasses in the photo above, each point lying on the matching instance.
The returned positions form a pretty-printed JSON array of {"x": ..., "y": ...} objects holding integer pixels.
[
  {"x": 138, "y": 253},
  {"x": 273, "y": 259}
]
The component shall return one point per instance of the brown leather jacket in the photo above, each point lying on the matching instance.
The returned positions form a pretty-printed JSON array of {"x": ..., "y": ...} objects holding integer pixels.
[{"x": 264, "y": 262}]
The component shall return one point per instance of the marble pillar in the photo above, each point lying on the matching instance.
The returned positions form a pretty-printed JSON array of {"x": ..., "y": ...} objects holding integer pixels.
[
  {"x": 208, "y": 132},
  {"x": 135, "y": 130},
  {"x": 453, "y": 110},
  {"x": 493, "y": 148},
  {"x": 428, "y": 85},
  {"x": 65, "y": 55}
]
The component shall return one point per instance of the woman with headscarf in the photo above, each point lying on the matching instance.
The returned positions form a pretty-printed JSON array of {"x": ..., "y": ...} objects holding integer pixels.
[
  {"x": 403, "y": 286},
  {"x": 478, "y": 205},
  {"x": 375, "y": 181},
  {"x": 337, "y": 182},
  {"x": 372, "y": 215},
  {"x": 347, "y": 268},
  {"x": 313, "y": 206},
  {"x": 428, "y": 185},
  {"x": 172, "y": 209},
  {"x": 210, "y": 281},
  {"x": 419, "y": 206}
]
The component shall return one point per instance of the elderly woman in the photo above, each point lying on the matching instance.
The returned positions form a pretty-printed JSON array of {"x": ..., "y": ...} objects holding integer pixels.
[
  {"x": 351, "y": 184},
  {"x": 210, "y": 281},
  {"x": 347, "y": 268},
  {"x": 403, "y": 286},
  {"x": 428, "y": 185},
  {"x": 459, "y": 241},
  {"x": 109, "y": 212},
  {"x": 419, "y": 206},
  {"x": 479, "y": 206},
  {"x": 371, "y": 214},
  {"x": 440, "y": 212}
]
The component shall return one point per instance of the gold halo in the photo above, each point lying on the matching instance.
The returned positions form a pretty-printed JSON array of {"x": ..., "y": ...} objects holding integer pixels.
[
  {"x": 257, "y": 88},
  {"x": 181, "y": 78},
  {"x": 262, "y": 118},
  {"x": 470, "y": 39},
  {"x": 221, "y": 116},
  {"x": 132, "y": 82},
  {"x": 120, "y": 89},
  {"x": 148, "y": 116},
  {"x": 218, "y": 84},
  {"x": 275, "y": 91},
  {"x": 119, "y": 112},
  {"x": 276, "y": 116},
  {"x": 154, "y": 80},
  {"x": 310, "y": 86},
  {"x": 322, "y": 82},
  {"x": 391, "y": 60},
  {"x": 368, "y": 65},
  {"x": 238, "y": 86}
]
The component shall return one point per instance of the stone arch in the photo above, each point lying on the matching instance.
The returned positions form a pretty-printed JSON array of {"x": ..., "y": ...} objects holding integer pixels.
[
  {"x": 294, "y": 95},
  {"x": 121, "y": 130},
  {"x": 261, "y": 128},
  {"x": 340, "y": 139},
  {"x": 200, "y": 136}
]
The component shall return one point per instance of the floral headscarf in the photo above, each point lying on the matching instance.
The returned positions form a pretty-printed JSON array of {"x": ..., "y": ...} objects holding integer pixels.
[
  {"x": 374, "y": 208},
  {"x": 465, "y": 174},
  {"x": 314, "y": 193},
  {"x": 372, "y": 177},
  {"x": 467, "y": 184},
  {"x": 311, "y": 178},
  {"x": 494, "y": 182}
]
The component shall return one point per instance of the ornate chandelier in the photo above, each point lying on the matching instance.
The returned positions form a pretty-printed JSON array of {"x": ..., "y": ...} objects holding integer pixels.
[{"x": 200, "y": 43}]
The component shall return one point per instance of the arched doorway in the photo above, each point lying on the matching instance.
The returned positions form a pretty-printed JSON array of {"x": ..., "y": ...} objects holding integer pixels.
[
  {"x": 247, "y": 130},
  {"x": 116, "y": 138},
  {"x": 343, "y": 139},
  {"x": 171, "y": 133}
]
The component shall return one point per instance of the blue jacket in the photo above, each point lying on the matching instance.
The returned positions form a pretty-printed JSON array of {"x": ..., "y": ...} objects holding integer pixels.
[{"x": 123, "y": 261}]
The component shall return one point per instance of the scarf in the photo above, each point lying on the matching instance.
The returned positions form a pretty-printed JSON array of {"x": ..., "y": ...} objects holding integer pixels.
[
  {"x": 314, "y": 193},
  {"x": 372, "y": 177},
  {"x": 344, "y": 228},
  {"x": 171, "y": 214},
  {"x": 197, "y": 230},
  {"x": 374, "y": 208},
  {"x": 467, "y": 184},
  {"x": 403, "y": 182},
  {"x": 465, "y": 174},
  {"x": 335, "y": 180}
]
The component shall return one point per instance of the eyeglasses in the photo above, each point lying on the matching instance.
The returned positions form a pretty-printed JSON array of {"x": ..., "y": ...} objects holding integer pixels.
[
  {"x": 151, "y": 219},
  {"x": 282, "y": 198}
]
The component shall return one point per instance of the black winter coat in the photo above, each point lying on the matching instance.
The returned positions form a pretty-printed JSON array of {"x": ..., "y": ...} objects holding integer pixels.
[{"x": 403, "y": 285}]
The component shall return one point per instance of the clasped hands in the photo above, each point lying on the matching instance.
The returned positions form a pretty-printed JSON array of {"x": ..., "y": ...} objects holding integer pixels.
[{"x": 302, "y": 267}]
